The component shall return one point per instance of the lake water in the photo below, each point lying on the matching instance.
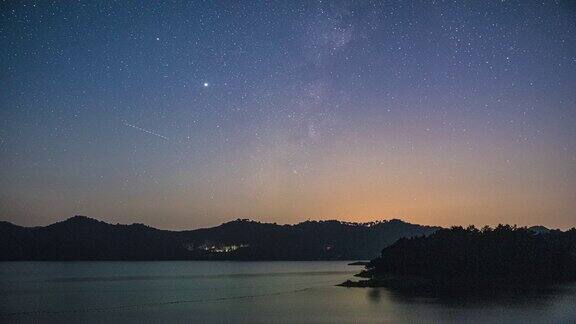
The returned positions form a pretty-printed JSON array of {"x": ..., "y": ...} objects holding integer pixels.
[{"x": 243, "y": 292}]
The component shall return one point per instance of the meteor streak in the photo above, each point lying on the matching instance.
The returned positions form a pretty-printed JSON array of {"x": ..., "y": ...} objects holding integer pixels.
[{"x": 146, "y": 131}]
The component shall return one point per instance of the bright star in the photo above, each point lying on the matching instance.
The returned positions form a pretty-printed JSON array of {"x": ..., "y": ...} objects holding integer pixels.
[{"x": 206, "y": 84}]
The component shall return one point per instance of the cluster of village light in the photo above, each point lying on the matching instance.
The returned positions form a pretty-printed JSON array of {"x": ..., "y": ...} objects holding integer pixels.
[{"x": 216, "y": 248}]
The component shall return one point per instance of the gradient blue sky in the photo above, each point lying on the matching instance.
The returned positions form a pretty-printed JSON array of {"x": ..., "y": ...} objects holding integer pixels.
[{"x": 188, "y": 114}]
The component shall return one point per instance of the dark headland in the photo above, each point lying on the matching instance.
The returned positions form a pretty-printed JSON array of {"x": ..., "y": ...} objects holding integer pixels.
[{"x": 471, "y": 259}]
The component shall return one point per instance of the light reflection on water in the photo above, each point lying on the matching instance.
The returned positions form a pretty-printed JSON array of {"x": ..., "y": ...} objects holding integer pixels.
[{"x": 254, "y": 292}]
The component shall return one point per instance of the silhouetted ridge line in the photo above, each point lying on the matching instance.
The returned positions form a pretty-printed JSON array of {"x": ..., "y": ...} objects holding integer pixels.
[{"x": 84, "y": 238}]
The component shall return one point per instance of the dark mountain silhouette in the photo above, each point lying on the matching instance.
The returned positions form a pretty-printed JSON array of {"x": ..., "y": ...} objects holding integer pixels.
[
  {"x": 539, "y": 229},
  {"x": 84, "y": 238},
  {"x": 476, "y": 258}
]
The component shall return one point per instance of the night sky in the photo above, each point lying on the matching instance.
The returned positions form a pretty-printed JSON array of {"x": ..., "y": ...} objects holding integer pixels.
[{"x": 182, "y": 115}]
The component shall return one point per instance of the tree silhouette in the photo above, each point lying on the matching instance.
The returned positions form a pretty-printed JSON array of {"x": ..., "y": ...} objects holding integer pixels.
[{"x": 505, "y": 254}]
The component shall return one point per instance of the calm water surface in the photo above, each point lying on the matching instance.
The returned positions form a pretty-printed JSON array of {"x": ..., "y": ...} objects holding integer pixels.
[{"x": 250, "y": 292}]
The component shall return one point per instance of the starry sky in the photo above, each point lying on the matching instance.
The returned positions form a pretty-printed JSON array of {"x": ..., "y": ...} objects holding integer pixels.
[{"x": 188, "y": 114}]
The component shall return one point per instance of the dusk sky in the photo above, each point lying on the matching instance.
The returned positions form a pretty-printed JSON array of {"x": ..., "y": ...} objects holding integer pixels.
[{"x": 188, "y": 114}]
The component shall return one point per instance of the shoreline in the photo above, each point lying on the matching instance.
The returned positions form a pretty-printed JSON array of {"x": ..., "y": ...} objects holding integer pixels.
[{"x": 455, "y": 285}]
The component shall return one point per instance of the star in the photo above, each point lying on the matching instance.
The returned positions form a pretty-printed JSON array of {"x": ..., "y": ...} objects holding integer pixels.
[{"x": 206, "y": 84}]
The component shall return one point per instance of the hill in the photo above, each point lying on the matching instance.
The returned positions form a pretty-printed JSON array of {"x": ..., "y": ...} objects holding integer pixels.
[
  {"x": 473, "y": 258},
  {"x": 84, "y": 238}
]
